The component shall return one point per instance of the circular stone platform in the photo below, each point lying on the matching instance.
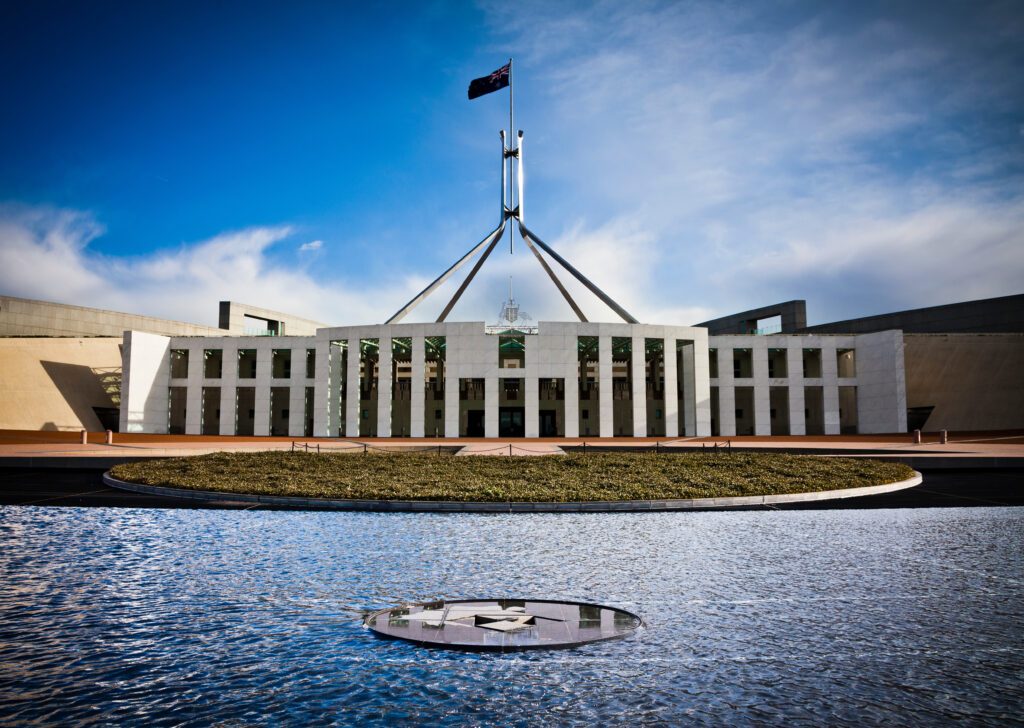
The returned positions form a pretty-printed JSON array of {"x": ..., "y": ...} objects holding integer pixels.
[{"x": 502, "y": 625}]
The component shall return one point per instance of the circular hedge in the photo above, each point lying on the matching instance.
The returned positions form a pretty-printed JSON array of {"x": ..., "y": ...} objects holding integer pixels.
[{"x": 572, "y": 477}]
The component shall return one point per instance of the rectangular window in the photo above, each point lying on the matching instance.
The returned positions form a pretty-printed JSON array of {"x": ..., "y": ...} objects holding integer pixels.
[
  {"x": 588, "y": 350},
  {"x": 742, "y": 363},
  {"x": 713, "y": 363},
  {"x": 622, "y": 386},
  {"x": 310, "y": 363},
  {"x": 848, "y": 410},
  {"x": 401, "y": 386},
  {"x": 512, "y": 352},
  {"x": 814, "y": 411},
  {"x": 777, "y": 365},
  {"x": 279, "y": 397},
  {"x": 778, "y": 399},
  {"x": 433, "y": 385},
  {"x": 245, "y": 411},
  {"x": 471, "y": 407},
  {"x": 654, "y": 375},
  {"x": 246, "y": 363},
  {"x": 281, "y": 364},
  {"x": 846, "y": 363},
  {"x": 369, "y": 377},
  {"x": 213, "y": 363},
  {"x": 744, "y": 410},
  {"x": 179, "y": 363},
  {"x": 812, "y": 364},
  {"x": 177, "y": 410},
  {"x": 211, "y": 411}
]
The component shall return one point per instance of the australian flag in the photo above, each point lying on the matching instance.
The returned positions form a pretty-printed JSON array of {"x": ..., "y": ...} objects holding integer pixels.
[{"x": 487, "y": 84}]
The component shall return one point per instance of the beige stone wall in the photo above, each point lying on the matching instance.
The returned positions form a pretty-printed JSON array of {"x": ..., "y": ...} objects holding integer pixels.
[
  {"x": 974, "y": 381},
  {"x": 53, "y": 384},
  {"x": 26, "y": 317}
]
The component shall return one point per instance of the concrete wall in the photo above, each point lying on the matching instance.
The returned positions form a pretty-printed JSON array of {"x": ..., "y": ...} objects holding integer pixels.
[
  {"x": 232, "y": 319},
  {"x": 878, "y": 373},
  {"x": 793, "y": 315},
  {"x": 53, "y": 384},
  {"x": 990, "y": 315},
  {"x": 144, "y": 395},
  {"x": 470, "y": 354},
  {"x": 25, "y": 317},
  {"x": 974, "y": 381}
]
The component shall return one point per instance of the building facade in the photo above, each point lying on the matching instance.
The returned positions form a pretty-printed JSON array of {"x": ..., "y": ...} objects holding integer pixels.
[{"x": 553, "y": 380}]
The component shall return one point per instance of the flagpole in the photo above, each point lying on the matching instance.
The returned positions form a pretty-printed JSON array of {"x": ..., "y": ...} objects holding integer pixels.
[{"x": 511, "y": 144}]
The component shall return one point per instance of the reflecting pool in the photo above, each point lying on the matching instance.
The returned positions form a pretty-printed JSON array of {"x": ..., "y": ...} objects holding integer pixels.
[{"x": 193, "y": 617}]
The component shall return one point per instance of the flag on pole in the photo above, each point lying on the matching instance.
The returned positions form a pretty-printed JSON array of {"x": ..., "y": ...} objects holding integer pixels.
[{"x": 487, "y": 84}]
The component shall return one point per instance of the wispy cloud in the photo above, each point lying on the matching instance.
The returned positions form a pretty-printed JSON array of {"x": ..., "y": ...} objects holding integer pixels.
[
  {"x": 311, "y": 247},
  {"x": 45, "y": 254},
  {"x": 766, "y": 153}
]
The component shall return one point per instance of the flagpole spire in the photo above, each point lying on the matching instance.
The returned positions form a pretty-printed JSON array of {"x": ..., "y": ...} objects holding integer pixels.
[{"x": 511, "y": 145}]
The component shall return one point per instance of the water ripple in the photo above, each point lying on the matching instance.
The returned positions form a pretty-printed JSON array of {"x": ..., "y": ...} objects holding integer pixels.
[{"x": 178, "y": 617}]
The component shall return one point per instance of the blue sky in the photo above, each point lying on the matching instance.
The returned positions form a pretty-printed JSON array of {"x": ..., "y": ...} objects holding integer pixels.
[{"x": 694, "y": 159}]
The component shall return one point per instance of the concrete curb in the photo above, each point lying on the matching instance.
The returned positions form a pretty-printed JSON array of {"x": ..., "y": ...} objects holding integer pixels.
[{"x": 694, "y": 504}]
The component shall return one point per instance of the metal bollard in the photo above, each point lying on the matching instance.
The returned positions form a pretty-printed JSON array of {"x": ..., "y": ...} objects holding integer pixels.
[
  {"x": 85, "y": 437},
  {"x": 917, "y": 437},
  {"x": 944, "y": 437},
  {"x": 110, "y": 437}
]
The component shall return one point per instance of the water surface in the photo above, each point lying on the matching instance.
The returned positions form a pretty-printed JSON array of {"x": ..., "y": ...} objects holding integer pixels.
[{"x": 190, "y": 617}]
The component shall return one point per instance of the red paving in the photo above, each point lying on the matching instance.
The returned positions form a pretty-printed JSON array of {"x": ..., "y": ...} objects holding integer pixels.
[{"x": 31, "y": 443}]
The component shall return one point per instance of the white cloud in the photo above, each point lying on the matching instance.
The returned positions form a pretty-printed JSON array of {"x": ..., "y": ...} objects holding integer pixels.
[
  {"x": 311, "y": 246},
  {"x": 45, "y": 254}
]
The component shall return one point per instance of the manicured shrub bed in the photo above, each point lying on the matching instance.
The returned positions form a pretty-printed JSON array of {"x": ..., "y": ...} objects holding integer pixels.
[{"x": 562, "y": 478}]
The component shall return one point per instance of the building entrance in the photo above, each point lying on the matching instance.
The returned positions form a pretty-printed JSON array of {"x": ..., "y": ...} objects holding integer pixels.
[
  {"x": 474, "y": 423},
  {"x": 548, "y": 423},
  {"x": 511, "y": 422}
]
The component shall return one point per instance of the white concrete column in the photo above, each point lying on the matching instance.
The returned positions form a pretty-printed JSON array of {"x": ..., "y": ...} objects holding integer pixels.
[
  {"x": 352, "y": 411},
  {"x": 830, "y": 386},
  {"x": 572, "y": 396},
  {"x": 228, "y": 390},
  {"x": 762, "y": 391},
  {"x": 671, "y": 410},
  {"x": 532, "y": 409},
  {"x": 328, "y": 410},
  {"x": 690, "y": 389},
  {"x": 384, "y": 387},
  {"x": 194, "y": 395},
  {"x": 451, "y": 398},
  {"x": 698, "y": 382},
  {"x": 145, "y": 379},
  {"x": 606, "y": 406},
  {"x": 726, "y": 393},
  {"x": 297, "y": 407},
  {"x": 261, "y": 422},
  {"x": 794, "y": 368},
  {"x": 638, "y": 356},
  {"x": 491, "y": 395},
  {"x": 418, "y": 408}
]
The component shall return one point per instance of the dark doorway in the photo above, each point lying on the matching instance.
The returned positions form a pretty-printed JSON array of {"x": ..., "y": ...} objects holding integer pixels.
[
  {"x": 511, "y": 422},
  {"x": 475, "y": 423},
  {"x": 548, "y": 423}
]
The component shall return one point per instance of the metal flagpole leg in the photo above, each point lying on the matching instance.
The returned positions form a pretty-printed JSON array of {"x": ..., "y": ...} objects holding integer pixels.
[
  {"x": 625, "y": 315},
  {"x": 511, "y": 142},
  {"x": 504, "y": 172},
  {"x": 402, "y": 312},
  {"x": 519, "y": 164},
  {"x": 469, "y": 278}
]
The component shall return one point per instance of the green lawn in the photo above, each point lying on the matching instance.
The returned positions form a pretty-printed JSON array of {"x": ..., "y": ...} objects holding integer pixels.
[{"x": 566, "y": 478}]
